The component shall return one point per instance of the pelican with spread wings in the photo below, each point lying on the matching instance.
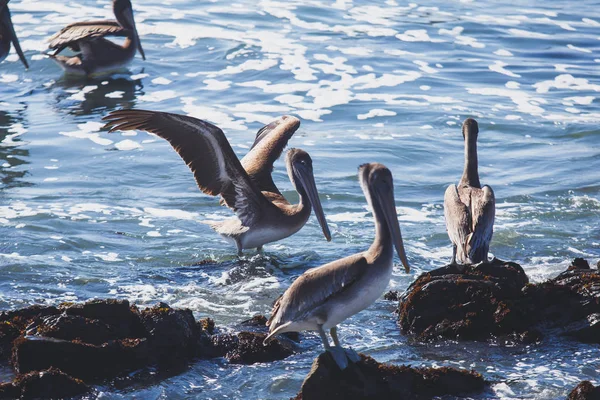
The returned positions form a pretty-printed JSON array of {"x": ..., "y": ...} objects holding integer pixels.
[
  {"x": 323, "y": 297},
  {"x": 469, "y": 208},
  {"x": 96, "y": 54},
  {"x": 8, "y": 35},
  {"x": 246, "y": 186}
]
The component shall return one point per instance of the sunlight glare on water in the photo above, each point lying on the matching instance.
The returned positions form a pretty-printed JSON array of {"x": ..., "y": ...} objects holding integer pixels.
[{"x": 86, "y": 214}]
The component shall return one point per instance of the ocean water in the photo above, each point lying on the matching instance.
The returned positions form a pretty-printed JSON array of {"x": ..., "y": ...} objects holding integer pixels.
[{"x": 86, "y": 214}]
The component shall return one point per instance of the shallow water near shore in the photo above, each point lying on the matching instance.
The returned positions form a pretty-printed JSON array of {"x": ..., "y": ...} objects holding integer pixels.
[{"x": 86, "y": 214}]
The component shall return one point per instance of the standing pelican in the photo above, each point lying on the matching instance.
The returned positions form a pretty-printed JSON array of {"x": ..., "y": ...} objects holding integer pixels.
[
  {"x": 8, "y": 35},
  {"x": 97, "y": 54},
  {"x": 469, "y": 208},
  {"x": 323, "y": 297},
  {"x": 263, "y": 214}
]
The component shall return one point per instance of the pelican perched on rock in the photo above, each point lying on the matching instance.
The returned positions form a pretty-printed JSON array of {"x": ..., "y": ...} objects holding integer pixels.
[
  {"x": 323, "y": 297},
  {"x": 8, "y": 35},
  {"x": 469, "y": 208},
  {"x": 98, "y": 55},
  {"x": 263, "y": 214}
]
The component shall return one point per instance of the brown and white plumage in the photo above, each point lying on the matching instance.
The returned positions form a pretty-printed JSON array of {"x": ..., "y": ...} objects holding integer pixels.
[
  {"x": 70, "y": 35},
  {"x": 323, "y": 297},
  {"x": 96, "y": 53},
  {"x": 263, "y": 214},
  {"x": 469, "y": 208},
  {"x": 8, "y": 34}
]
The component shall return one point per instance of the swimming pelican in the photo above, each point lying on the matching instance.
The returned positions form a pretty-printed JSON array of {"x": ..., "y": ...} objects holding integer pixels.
[
  {"x": 323, "y": 297},
  {"x": 263, "y": 214},
  {"x": 97, "y": 54},
  {"x": 8, "y": 35},
  {"x": 469, "y": 208}
]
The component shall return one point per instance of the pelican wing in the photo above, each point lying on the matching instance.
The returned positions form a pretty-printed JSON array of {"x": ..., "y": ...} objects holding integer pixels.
[
  {"x": 483, "y": 213},
  {"x": 315, "y": 287},
  {"x": 207, "y": 153},
  {"x": 71, "y": 34},
  {"x": 270, "y": 141},
  {"x": 457, "y": 218}
]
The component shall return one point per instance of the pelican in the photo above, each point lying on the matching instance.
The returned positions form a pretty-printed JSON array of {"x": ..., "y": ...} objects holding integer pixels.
[
  {"x": 263, "y": 214},
  {"x": 8, "y": 35},
  {"x": 323, "y": 297},
  {"x": 469, "y": 208},
  {"x": 97, "y": 54}
]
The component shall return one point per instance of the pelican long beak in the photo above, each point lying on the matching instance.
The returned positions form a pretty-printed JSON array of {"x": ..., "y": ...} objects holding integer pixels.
[
  {"x": 385, "y": 197},
  {"x": 6, "y": 20},
  {"x": 129, "y": 16},
  {"x": 308, "y": 183}
]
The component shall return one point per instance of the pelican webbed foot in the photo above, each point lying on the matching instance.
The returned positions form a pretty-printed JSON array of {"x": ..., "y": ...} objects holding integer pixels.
[
  {"x": 352, "y": 355},
  {"x": 339, "y": 355}
]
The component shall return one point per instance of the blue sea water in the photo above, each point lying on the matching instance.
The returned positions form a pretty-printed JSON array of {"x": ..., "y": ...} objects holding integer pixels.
[{"x": 86, "y": 214}]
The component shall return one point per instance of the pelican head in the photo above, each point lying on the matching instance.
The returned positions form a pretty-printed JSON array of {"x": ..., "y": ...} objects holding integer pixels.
[
  {"x": 378, "y": 186},
  {"x": 124, "y": 15},
  {"x": 300, "y": 170},
  {"x": 6, "y": 21},
  {"x": 470, "y": 128}
]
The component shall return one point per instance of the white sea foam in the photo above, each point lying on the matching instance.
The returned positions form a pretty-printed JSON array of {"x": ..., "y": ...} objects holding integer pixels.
[
  {"x": 566, "y": 81},
  {"x": 127, "y": 144},
  {"x": 528, "y": 34},
  {"x": 89, "y": 131},
  {"x": 498, "y": 66},
  {"x": 377, "y": 112}
]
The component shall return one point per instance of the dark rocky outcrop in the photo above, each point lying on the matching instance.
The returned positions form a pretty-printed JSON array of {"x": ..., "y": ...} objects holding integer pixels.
[
  {"x": 585, "y": 391},
  {"x": 50, "y": 383},
  {"x": 369, "y": 379},
  {"x": 472, "y": 302},
  {"x": 248, "y": 348},
  {"x": 107, "y": 339},
  {"x": 478, "y": 302}
]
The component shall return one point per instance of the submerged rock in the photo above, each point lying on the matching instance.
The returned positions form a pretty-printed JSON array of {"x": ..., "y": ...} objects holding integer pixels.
[
  {"x": 489, "y": 300},
  {"x": 585, "y": 391},
  {"x": 369, "y": 379},
  {"x": 50, "y": 383}
]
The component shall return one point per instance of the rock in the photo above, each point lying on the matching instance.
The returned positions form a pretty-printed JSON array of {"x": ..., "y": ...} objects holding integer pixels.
[
  {"x": 495, "y": 300},
  {"x": 369, "y": 379},
  {"x": 50, "y": 383},
  {"x": 474, "y": 302},
  {"x": 123, "y": 319},
  {"x": 248, "y": 348},
  {"x": 81, "y": 360},
  {"x": 568, "y": 304},
  {"x": 392, "y": 295},
  {"x": 587, "y": 330},
  {"x": 585, "y": 391},
  {"x": 579, "y": 263},
  {"x": 258, "y": 323},
  {"x": 13, "y": 323},
  {"x": 171, "y": 334},
  {"x": 73, "y": 327}
]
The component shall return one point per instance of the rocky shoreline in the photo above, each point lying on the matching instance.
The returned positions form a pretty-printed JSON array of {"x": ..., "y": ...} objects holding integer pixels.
[{"x": 62, "y": 351}]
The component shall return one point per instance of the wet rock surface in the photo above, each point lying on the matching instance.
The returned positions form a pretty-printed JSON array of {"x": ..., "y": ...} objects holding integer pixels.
[
  {"x": 472, "y": 302},
  {"x": 369, "y": 379},
  {"x": 108, "y": 339},
  {"x": 478, "y": 302},
  {"x": 50, "y": 383},
  {"x": 585, "y": 391}
]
